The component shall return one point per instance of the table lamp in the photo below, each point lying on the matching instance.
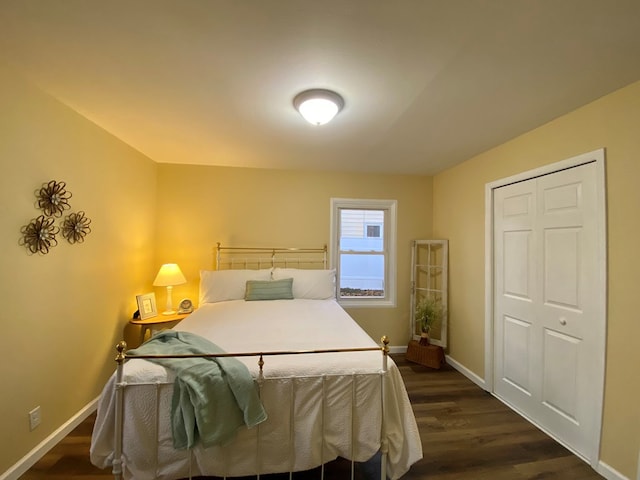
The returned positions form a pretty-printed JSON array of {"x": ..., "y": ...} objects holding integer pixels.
[{"x": 168, "y": 276}]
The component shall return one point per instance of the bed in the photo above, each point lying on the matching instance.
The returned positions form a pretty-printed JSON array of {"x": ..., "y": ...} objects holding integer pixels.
[{"x": 328, "y": 389}]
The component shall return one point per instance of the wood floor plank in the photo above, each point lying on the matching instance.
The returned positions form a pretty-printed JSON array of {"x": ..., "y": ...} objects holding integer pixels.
[{"x": 466, "y": 434}]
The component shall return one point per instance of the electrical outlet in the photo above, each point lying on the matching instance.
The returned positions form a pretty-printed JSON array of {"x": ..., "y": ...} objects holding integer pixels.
[{"x": 34, "y": 418}]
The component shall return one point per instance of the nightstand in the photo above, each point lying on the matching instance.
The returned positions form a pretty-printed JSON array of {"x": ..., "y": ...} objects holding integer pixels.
[{"x": 153, "y": 323}]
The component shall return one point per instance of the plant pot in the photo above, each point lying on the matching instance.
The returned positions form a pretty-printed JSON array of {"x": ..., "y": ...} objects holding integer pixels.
[{"x": 424, "y": 338}]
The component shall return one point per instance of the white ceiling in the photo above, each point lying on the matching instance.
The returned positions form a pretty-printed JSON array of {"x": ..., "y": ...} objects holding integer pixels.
[{"x": 427, "y": 83}]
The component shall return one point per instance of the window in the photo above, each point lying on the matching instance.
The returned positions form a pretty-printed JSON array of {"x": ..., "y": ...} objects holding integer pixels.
[
  {"x": 363, "y": 238},
  {"x": 373, "y": 231}
]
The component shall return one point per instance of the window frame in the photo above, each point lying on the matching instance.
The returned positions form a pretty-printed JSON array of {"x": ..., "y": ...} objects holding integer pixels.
[{"x": 389, "y": 235}]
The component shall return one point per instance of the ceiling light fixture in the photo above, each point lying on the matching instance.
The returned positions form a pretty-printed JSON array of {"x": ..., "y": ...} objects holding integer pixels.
[{"x": 318, "y": 106}]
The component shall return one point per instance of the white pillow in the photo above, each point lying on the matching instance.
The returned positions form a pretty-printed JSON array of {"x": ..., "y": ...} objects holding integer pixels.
[
  {"x": 223, "y": 285},
  {"x": 310, "y": 284}
]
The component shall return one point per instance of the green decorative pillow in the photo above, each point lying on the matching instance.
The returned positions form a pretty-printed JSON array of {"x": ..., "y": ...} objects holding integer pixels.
[{"x": 269, "y": 289}]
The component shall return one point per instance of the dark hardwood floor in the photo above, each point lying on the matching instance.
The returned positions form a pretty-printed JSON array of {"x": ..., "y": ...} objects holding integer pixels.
[{"x": 466, "y": 434}]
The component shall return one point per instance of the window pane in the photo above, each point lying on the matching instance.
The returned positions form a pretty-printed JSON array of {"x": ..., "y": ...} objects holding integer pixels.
[
  {"x": 361, "y": 275},
  {"x": 361, "y": 230}
]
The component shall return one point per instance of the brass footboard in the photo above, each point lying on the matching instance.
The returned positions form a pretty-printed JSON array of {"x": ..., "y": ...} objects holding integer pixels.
[{"x": 120, "y": 384}]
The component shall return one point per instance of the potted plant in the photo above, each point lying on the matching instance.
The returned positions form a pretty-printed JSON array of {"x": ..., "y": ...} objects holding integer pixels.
[{"x": 429, "y": 313}]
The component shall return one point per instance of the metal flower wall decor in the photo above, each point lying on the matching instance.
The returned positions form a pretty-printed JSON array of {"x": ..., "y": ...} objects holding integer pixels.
[
  {"x": 75, "y": 227},
  {"x": 53, "y": 199},
  {"x": 39, "y": 236}
]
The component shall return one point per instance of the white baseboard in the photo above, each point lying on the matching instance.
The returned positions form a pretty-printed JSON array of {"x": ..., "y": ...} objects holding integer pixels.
[
  {"x": 398, "y": 349},
  {"x": 26, "y": 462},
  {"x": 609, "y": 472},
  {"x": 466, "y": 372}
]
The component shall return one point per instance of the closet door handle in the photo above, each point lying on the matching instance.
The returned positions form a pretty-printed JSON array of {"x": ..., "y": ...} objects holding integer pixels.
[{"x": 563, "y": 321}]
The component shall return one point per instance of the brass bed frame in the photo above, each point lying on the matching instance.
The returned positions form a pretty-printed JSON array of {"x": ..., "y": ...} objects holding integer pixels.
[
  {"x": 263, "y": 257},
  {"x": 246, "y": 257}
]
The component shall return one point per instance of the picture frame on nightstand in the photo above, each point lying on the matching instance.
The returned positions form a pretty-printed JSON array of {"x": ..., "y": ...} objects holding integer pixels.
[{"x": 147, "y": 305}]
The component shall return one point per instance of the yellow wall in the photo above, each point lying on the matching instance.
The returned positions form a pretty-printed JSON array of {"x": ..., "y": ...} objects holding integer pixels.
[
  {"x": 199, "y": 206},
  {"x": 62, "y": 313},
  {"x": 612, "y": 122}
]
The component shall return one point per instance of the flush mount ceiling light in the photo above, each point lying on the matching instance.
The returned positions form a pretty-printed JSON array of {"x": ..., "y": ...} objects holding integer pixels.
[{"x": 318, "y": 106}]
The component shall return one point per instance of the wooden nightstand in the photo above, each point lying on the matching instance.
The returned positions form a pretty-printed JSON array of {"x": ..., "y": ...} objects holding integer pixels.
[{"x": 153, "y": 322}]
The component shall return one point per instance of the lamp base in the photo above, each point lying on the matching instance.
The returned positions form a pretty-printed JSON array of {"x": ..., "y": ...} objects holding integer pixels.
[{"x": 168, "y": 310}]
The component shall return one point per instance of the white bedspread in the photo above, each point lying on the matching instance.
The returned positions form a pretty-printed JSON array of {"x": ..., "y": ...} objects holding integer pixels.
[{"x": 239, "y": 326}]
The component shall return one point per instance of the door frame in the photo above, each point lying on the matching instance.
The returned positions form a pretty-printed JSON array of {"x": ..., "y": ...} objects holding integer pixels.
[{"x": 597, "y": 157}]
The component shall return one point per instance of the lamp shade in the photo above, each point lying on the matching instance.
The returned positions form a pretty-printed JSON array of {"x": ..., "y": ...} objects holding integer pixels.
[
  {"x": 318, "y": 106},
  {"x": 169, "y": 275}
]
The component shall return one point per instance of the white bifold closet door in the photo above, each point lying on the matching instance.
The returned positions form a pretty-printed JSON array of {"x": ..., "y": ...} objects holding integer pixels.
[{"x": 545, "y": 242}]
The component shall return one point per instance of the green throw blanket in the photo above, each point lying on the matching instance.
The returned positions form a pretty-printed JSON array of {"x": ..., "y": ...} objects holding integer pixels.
[{"x": 212, "y": 397}]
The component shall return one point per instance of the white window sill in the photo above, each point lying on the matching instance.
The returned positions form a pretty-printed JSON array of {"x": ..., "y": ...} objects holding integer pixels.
[{"x": 366, "y": 303}]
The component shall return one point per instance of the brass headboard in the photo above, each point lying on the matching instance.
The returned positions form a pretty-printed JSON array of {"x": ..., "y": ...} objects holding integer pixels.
[{"x": 228, "y": 258}]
